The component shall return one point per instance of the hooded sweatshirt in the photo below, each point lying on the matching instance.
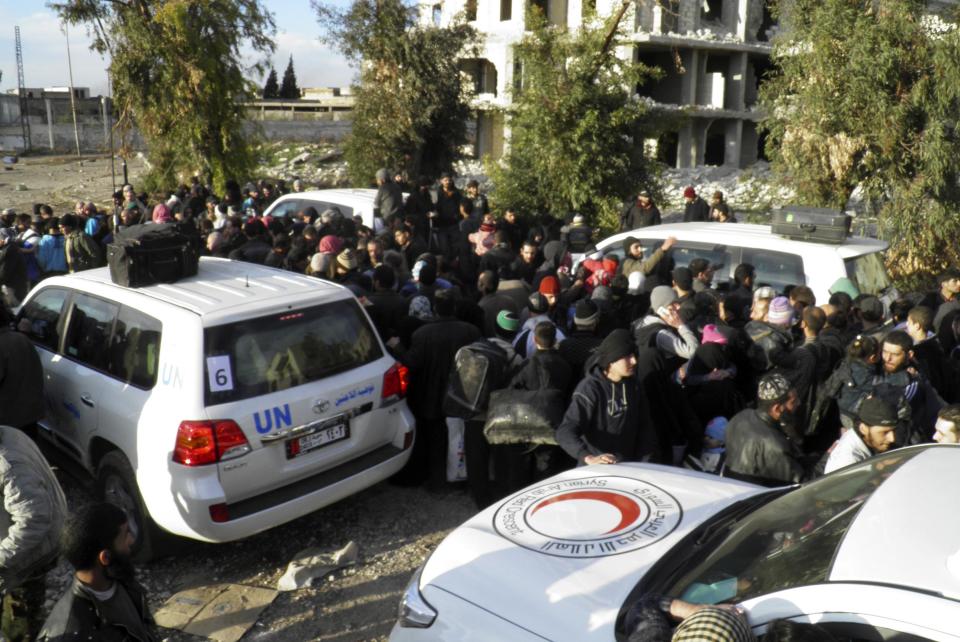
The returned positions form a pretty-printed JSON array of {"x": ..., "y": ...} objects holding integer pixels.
[{"x": 607, "y": 417}]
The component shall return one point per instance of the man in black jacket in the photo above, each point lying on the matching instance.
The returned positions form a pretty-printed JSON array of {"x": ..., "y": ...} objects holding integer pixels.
[
  {"x": 256, "y": 249},
  {"x": 21, "y": 374},
  {"x": 758, "y": 450},
  {"x": 430, "y": 358},
  {"x": 696, "y": 209},
  {"x": 608, "y": 420},
  {"x": 545, "y": 369},
  {"x": 104, "y": 602},
  {"x": 640, "y": 213}
]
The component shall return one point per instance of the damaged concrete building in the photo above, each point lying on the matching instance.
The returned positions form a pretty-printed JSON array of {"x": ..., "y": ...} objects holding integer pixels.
[{"x": 713, "y": 54}]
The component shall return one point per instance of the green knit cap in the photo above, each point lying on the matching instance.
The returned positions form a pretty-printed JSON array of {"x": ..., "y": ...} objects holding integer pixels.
[{"x": 508, "y": 321}]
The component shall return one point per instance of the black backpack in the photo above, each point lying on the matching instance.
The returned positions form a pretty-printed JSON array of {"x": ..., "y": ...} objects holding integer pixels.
[{"x": 478, "y": 369}]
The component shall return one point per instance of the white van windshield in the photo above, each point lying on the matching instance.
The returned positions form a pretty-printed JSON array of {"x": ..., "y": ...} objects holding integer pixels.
[
  {"x": 280, "y": 351},
  {"x": 868, "y": 273}
]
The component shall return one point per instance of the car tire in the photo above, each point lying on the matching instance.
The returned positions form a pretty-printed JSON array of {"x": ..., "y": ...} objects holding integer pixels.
[{"x": 117, "y": 484}]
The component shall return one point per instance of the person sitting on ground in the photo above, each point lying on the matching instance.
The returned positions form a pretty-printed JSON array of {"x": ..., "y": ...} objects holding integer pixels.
[{"x": 104, "y": 602}]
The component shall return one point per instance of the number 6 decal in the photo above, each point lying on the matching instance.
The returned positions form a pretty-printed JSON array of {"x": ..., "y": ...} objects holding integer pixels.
[{"x": 219, "y": 374}]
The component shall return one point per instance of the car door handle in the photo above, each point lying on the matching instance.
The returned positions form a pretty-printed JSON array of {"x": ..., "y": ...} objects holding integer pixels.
[{"x": 87, "y": 401}]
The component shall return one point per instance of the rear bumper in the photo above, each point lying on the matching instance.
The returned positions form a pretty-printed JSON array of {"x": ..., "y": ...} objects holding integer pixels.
[{"x": 186, "y": 510}]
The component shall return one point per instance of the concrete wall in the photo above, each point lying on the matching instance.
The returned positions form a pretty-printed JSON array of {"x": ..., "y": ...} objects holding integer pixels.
[
  {"x": 51, "y": 126},
  {"x": 302, "y": 131}
]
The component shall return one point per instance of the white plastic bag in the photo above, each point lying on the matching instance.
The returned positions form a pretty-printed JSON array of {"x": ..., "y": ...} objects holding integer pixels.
[{"x": 456, "y": 461}]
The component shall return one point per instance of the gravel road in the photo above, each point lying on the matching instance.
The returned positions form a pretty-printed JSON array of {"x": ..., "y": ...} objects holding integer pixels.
[{"x": 394, "y": 527}]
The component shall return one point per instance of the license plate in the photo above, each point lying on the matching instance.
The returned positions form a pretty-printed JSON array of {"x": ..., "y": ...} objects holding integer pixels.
[{"x": 325, "y": 436}]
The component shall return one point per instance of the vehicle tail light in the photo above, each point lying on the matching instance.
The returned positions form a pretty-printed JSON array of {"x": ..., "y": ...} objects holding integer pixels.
[
  {"x": 395, "y": 383},
  {"x": 207, "y": 442}
]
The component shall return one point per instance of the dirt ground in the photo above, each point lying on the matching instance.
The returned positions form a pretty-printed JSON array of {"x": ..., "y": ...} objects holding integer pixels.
[
  {"x": 61, "y": 181},
  {"x": 394, "y": 527}
]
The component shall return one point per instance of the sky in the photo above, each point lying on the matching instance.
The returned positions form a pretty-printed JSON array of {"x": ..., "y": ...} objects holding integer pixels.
[{"x": 45, "y": 48}]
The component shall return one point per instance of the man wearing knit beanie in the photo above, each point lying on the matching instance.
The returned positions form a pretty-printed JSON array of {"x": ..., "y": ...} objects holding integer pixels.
[
  {"x": 777, "y": 345},
  {"x": 580, "y": 344},
  {"x": 607, "y": 420},
  {"x": 758, "y": 450},
  {"x": 663, "y": 328},
  {"x": 696, "y": 209}
]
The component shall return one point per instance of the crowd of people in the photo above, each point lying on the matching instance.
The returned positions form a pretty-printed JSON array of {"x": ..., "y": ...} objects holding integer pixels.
[{"x": 651, "y": 360}]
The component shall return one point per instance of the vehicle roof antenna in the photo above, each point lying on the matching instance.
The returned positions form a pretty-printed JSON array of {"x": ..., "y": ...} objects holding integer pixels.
[{"x": 247, "y": 276}]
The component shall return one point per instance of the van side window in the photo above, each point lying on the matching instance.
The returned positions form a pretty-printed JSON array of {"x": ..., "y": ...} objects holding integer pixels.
[
  {"x": 135, "y": 348},
  {"x": 716, "y": 255},
  {"x": 43, "y": 312},
  {"x": 88, "y": 334},
  {"x": 286, "y": 208},
  {"x": 322, "y": 206},
  {"x": 776, "y": 269}
]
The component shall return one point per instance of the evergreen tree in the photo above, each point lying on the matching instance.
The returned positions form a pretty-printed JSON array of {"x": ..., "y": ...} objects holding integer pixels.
[
  {"x": 866, "y": 94},
  {"x": 288, "y": 87},
  {"x": 411, "y": 108},
  {"x": 271, "y": 89},
  {"x": 184, "y": 93},
  {"x": 576, "y": 131}
]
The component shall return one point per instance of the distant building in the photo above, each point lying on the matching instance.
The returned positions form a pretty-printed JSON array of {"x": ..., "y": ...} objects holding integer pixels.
[
  {"x": 713, "y": 54},
  {"x": 80, "y": 93}
]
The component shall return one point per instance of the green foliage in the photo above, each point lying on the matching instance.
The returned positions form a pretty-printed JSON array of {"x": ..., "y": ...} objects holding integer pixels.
[
  {"x": 867, "y": 94},
  {"x": 576, "y": 130},
  {"x": 271, "y": 89},
  {"x": 411, "y": 107},
  {"x": 178, "y": 78},
  {"x": 288, "y": 87}
]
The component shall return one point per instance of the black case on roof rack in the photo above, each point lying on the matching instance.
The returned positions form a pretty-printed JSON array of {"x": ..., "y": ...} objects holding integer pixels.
[
  {"x": 816, "y": 224},
  {"x": 146, "y": 254}
]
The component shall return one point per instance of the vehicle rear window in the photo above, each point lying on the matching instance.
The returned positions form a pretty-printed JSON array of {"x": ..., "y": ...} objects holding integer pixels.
[
  {"x": 776, "y": 269},
  {"x": 868, "y": 273},
  {"x": 280, "y": 351}
]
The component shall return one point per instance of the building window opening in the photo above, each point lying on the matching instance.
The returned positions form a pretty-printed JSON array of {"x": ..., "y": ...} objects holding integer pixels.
[
  {"x": 471, "y": 10},
  {"x": 762, "y": 147},
  {"x": 716, "y": 144},
  {"x": 667, "y": 149},
  {"x": 506, "y": 10},
  {"x": 767, "y": 25},
  {"x": 711, "y": 11},
  {"x": 437, "y": 14}
]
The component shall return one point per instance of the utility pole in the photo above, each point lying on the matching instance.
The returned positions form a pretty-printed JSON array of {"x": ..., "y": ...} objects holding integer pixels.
[
  {"x": 21, "y": 85},
  {"x": 73, "y": 101}
]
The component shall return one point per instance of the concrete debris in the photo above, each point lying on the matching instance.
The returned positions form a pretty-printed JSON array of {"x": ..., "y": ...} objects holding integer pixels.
[
  {"x": 221, "y": 612},
  {"x": 301, "y": 158},
  {"x": 21, "y": 187},
  {"x": 311, "y": 564}
]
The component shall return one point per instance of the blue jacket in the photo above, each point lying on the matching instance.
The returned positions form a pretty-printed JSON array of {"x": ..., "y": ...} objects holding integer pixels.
[{"x": 51, "y": 253}]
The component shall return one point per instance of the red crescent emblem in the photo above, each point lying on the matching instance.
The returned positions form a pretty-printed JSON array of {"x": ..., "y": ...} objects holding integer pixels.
[{"x": 629, "y": 510}]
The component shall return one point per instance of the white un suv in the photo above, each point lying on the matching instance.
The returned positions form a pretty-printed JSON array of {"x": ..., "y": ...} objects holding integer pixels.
[{"x": 221, "y": 405}]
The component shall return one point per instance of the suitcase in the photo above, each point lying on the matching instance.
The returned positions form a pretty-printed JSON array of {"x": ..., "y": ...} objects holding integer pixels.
[
  {"x": 142, "y": 255},
  {"x": 816, "y": 224}
]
